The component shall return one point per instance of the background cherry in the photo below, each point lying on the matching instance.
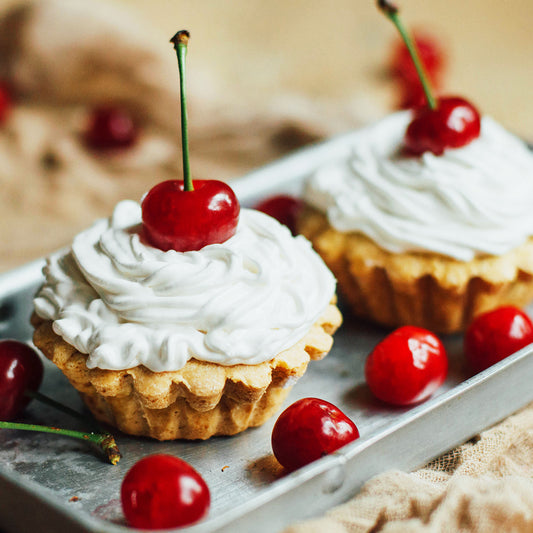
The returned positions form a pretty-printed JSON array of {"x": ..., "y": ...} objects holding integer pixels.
[
  {"x": 404, "y": 72},
  {"x": 406, "y": 367},
  {"x": 284, "y": 208},
  {"x": 110, "y": 128},
  {"x": 162, "y": 491},
  {"x": 5, "y": 102},
  {"x": 309, "y": 429},
  {"x": 431, "y": 55},
  {"x": 21, "y": 369},
  {"x": 189, "y": 220},
  {"x": 496, "y": 334}
]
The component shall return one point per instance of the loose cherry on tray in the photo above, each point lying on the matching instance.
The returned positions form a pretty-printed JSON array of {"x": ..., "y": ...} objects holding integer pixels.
[
  {"x": 406, "y": 367},
  {"x": 444, "y": 123},
  {"x": 21, "y": 373},
  {"x": 21, "y": 370},
  {"x": 309, "y": 429},
  {"x": 110, "y": 128},
  {"x": 186, "y": 215},
  {"x": 496, "y": 334},
  {"x": 162, "y": 491},
  {"x": 284, "y": 208}
]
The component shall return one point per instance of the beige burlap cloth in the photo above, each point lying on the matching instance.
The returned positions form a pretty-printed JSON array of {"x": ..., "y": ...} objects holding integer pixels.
[{"x": 484, "y": 485}]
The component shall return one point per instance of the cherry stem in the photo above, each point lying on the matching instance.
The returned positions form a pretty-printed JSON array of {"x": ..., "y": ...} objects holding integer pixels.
[
  {"x": 104, "y": 441},
  {"x": 180, "y": 41},
  {"x": 391, "y": 12}
]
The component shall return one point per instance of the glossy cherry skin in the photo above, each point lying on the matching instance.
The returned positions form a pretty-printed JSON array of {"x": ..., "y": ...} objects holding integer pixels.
[
  {"x": 309, "y": 429},
  {"x": 21, "y": 369},
  {"x": 161, "y": 491},
  {"x": 407, "y": 366},
  {"x": 110, "y": 128},
  {"x": 284, "y": 208},
  {"x": 454, "y": 123},
  {"x": 5, "y": 103},
  {"x": 175, "y": 219},
  {"x": 496, "y": 334}
]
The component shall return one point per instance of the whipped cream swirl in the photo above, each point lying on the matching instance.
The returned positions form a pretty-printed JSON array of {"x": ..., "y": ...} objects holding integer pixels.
[
  {"x": 125, "y": 303},
  {"x": 470, "y": 201}
]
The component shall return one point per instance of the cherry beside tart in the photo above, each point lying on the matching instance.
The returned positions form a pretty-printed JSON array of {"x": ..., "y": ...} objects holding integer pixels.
[
  {"x": 284, "y": 208},
  {"x": 21, "y": 369},
  {"x": 406, "y": 367},
  {"x": 496, "y": 334},
  {"x": 162, "y": 492},
  {"x": 309, "y": 429}
]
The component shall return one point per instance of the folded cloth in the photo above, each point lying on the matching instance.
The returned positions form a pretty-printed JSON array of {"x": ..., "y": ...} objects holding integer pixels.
[
  {"x": 485, "y": 485},
  {"x": 62, "y": 58}
]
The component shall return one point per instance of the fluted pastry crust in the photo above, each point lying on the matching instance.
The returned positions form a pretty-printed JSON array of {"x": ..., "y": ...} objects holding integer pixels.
[
  {"x": 200, "y": 400},
  {"x": 423, "y": 289}
]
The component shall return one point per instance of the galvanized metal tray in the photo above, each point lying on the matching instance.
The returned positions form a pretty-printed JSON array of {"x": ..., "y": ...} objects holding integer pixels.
[{"x": 51, "y": 484}]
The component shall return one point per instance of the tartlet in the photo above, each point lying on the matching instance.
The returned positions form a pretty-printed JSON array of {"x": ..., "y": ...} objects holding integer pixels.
[
  {"x": 429, "y": 241},
  {"x": 173, "y": 380},
  {"x": 200, "y": 400}
]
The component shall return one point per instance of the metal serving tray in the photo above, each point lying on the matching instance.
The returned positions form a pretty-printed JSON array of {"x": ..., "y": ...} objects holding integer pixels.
[{"x": 50, "y": 483}]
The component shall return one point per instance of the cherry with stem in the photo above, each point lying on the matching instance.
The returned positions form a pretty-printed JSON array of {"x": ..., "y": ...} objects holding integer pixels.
[
  {"x": 185, "y": 215},
  {"x": 21, "y": 372},
  {"x": 447, "y": 122}
]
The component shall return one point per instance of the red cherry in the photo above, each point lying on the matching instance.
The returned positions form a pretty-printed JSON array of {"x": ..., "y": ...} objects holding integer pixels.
[
  {"x": 284, "y": 208},
  {"x": 175, "y": 219},
  {"x": 5, "y": 103},
  {"x": 454, "y": 123},
  {"x": 309, "y": 429},
  {"x": 162, "y": 491},
  {"x": 431, "y": 55},
  {"x": 407, "y": 366},
  {"x": 110, "y": 128},
  {"x": 21, "y": 369},
  {"x": 496, "y": 334}
]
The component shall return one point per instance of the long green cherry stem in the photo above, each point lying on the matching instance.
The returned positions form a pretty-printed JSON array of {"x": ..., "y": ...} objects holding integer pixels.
[
  {"x": 391, "y": 12},
  {"x": 104, "y": 441},
  {"x": 180, "y": 42}
]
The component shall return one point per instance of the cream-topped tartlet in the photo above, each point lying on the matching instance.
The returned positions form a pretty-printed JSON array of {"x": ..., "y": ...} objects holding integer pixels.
[
  {"x": 185, "y": 344},
  {"x": 428, "y": 240}
]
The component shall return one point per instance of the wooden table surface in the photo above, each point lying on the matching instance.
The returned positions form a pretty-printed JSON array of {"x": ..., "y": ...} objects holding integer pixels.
[{"x": 337, "y": 49}]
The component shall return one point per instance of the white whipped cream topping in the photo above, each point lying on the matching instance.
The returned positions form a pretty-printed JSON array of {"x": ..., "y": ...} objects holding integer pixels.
[
  {"x": 470, "y": 201},
  {"x": 125, "y": 303}
]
